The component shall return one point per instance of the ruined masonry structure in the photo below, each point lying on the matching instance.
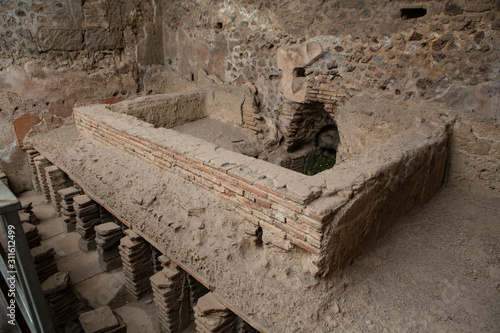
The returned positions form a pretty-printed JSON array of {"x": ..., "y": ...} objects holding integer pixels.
[
  {"x": 195, "y": 125},
  {"x": 299, "y": 214}
]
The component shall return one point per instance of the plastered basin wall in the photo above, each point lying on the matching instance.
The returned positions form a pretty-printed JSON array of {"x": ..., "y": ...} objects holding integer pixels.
[
  {"x": 233, "y": 105},
  {"x": 332, "y": 215},
  {"x": 168, "y": 112}
]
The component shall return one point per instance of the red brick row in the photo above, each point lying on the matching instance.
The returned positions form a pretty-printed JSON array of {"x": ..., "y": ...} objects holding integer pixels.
[{"x": 280, "y": 214}]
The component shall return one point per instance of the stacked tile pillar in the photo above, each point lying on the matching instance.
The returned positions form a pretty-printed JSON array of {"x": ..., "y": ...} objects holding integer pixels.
[
  {"x": 67, "y": 209},
  {"x": 56, "y": 180},
  {"x": 211, "y": 316},
  {"x": 62, "y": 299},
  {"x": 31, "y": 163},
  {"x": 45, "y": 265},
  {"x": 108, "y": 237},
  {"x": 40, "y": 164},
  {"x": 135, "y": 254},
  {"x": 170, "y": 294},
  {"x": 87, "y": 216},
  {"x": 32, "y": 236}
]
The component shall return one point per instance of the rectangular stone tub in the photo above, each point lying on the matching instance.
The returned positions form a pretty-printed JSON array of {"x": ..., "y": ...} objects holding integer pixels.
[{"x": 331, "y": 216}]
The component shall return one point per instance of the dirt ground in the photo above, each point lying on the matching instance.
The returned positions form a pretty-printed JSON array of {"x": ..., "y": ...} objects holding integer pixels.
[{"x": 436, "y": 270}]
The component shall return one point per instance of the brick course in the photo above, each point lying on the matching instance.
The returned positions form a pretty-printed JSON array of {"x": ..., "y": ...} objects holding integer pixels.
[{"x": 226, "y": 183}]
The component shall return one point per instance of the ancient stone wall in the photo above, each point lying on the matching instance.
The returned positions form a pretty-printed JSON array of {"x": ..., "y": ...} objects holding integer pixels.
[
  {"x": 330, "y": 52},
  {"x": 55, "y": 53}
]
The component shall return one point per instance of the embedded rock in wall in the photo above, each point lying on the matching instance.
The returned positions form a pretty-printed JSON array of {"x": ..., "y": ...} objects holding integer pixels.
[
  {"x": 103, "y": 39},
  {"x": 292, "y": 60},
  {"x": 150, "y": 48},
  {"x": 194, "y": 55},
  {"x": 232, "y": 104}
]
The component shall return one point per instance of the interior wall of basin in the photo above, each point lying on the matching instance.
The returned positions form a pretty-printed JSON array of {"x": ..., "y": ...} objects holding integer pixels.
[
  {"x": 365, "y": 124},
  {"x": 360, "y": 125},
  {"x": 358, "y": 131},
  {"x": 165, "y": 110}
]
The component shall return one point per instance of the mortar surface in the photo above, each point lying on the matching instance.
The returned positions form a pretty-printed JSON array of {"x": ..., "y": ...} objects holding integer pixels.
[{"x": 224, "y": 135}]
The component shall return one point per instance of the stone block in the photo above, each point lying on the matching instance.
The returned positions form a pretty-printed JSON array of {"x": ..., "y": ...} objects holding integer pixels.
[
  {"x": 108, "y": 228},
  {"x": 292, "y": 60},
  {"x": 59, "y": 39},
  {"x": 99, "y": 321},
  {"x": 103, "y": 39}
]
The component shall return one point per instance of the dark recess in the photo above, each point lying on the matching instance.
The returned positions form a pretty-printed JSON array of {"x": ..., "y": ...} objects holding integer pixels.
[
  {"x": 412, "y": 13},
  {"x": 299, "y": 72}
]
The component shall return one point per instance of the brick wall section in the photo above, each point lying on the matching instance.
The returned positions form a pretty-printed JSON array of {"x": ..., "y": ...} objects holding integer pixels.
[
  {"x": 331, "y": 91},
  {"x": 325, "y": 95},
  {"x": 253, "y": 121},
  {"x": 283, "y": 216}
]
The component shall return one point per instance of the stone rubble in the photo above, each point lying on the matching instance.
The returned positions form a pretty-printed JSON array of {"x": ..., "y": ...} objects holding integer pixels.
[{"x": 26, "y": 214}]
